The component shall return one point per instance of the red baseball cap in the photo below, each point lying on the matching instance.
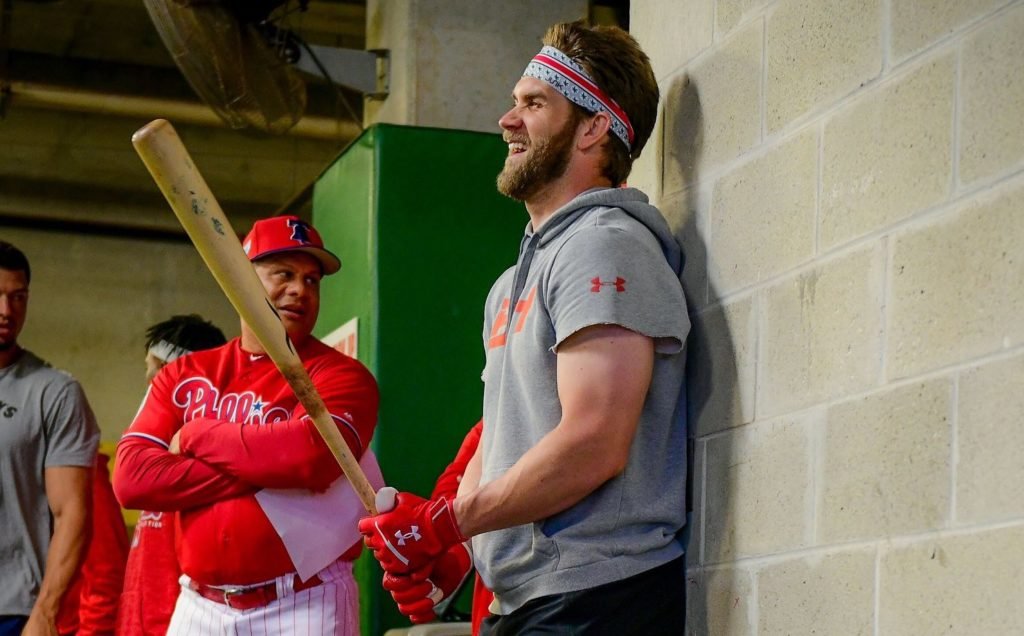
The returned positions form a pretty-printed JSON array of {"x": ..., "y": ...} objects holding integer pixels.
[{"x": 288, "y": 234}]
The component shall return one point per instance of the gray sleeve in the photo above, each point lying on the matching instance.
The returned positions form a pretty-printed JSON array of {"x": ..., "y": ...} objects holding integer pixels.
[
  {"x": 71, "y": 430},
  {"x": 608, "y": 275}
]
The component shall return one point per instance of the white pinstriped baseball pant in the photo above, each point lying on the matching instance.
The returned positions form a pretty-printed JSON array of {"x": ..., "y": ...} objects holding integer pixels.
[{"x": 329, "y": 609}]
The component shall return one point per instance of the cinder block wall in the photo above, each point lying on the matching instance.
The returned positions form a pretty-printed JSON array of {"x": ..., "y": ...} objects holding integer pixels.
[{"x": 847, "y": 177}]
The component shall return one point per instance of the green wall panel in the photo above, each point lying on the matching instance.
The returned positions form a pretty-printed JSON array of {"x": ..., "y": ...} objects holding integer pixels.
[
  {"x": 343, "y": 211},
  {"x": 422, "y": 234}
]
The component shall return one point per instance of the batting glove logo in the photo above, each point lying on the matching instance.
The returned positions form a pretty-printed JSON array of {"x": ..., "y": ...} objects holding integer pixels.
[{"x": 412, "y": 535}]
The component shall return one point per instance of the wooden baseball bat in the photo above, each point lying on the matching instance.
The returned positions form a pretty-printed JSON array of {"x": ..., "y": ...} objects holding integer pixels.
[{"x": 193, "y": 203}]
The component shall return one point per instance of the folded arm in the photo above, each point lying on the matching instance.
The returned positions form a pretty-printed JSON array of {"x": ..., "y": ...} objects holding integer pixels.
[
  {"x": 291, "y": 453},
  {"x": 149, "y": 477}
]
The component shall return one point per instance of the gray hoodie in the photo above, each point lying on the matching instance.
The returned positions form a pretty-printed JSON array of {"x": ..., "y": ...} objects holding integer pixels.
[{"x": 607, "y": 257}]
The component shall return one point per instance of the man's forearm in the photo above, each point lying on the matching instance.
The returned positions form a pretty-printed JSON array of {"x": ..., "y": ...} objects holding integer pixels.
[
  {"x": 67, "y": 547},
  {"x": 604, "y": 373},
  {"x": 287, "y": 454},
  {"x": 552, "y": 476},
  {"x": 148, "y": 477}
]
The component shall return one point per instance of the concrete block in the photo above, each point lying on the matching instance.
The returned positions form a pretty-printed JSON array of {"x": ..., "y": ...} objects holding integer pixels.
[
  {"x": 956, "y": 290},
  {"x": 916, "y": 24},
  {"x": 719, "y": 602},
  {"x": 720, "y": 114},
  {"x": 758, "y": 490},
  {"x": 762, "y": 215},
  {"x": 672, "y": 33},
  {"x": 990, "y": 437},
  {"x": 388, "y": 26},
  {"x": 729, "y": 13},
  {"x": 991, "y": 134},
  {"x": 962, "y": 585},
  {"x": 822, "y": 333},
  {"x": 823, "y": 594},
  {"x": 889, "y": 154},
  {"x": 818, "y": 51},
  {"x": 720, "y": 367},
  {"x": 887, "y": 464}
]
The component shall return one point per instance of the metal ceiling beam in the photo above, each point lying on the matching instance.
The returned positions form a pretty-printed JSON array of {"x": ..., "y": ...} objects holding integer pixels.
[{"x": 39, "y": 95}]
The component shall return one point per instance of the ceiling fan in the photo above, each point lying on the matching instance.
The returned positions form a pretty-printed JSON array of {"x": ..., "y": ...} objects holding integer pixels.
[{"x": 241, "y": 58}]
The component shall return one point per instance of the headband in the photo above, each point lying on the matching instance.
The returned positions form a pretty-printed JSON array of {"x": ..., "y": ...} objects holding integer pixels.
[
  {"x": 568, "y": 78},
  {"x": 167, "y": 352}
]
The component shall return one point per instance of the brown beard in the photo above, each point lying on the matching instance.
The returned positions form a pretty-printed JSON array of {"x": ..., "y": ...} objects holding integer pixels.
[{"x": 546, "y": 160}]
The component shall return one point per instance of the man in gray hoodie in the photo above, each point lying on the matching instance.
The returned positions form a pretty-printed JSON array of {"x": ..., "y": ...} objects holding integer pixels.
[{"x": 575, "y": 499}]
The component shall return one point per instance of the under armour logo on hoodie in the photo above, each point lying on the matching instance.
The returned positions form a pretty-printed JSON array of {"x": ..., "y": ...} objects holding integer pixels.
[
  {"x": 412, "y": 535},
  {"x": 596, "y": 284}
]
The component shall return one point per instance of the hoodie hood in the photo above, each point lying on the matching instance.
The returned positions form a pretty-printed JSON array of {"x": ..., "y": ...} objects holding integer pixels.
[{"x": 630, "y": 200}]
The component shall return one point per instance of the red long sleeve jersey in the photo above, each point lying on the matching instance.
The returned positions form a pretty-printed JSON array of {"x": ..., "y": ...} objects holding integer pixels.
[
  {"x": 150, "y": 578},
  {"x": 240, "y": 429}
]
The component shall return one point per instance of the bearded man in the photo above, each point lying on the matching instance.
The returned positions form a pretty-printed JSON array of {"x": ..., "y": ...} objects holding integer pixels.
[{"x": 575, "y": 498}]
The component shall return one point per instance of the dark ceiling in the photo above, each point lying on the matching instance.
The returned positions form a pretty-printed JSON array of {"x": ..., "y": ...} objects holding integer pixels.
[{"x": 77, "y": 77}]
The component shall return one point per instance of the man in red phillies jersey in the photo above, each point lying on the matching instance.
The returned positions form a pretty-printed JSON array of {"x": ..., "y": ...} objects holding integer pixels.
[
  {"x": 220, "y": 425},
  {"x": 151, "y": 575}
]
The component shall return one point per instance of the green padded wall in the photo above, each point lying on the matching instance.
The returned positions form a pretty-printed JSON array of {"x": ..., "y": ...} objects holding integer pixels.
[{"x": 422, "y": 234}]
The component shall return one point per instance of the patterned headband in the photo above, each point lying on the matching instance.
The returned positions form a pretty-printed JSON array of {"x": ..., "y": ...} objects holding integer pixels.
[
  {"x": 568, "y": 78},
  {"x": 166, "y": 351}
]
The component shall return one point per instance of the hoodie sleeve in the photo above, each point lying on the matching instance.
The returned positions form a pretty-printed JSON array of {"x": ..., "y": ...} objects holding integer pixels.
[{"x": 616, "y": 275}]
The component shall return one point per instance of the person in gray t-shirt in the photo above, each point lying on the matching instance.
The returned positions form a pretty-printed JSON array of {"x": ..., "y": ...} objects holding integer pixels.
[
  {"x": 48, "y": 440},
  {"x": 576, "y": 498}
]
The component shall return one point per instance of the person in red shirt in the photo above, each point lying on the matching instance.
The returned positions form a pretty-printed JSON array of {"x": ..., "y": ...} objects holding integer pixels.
[
  {"x": 89, "y": 606},
  {"x": 419, "y": 598},
  {"x": 218, "y": 427},
  {"x": 151, "y": 575}
]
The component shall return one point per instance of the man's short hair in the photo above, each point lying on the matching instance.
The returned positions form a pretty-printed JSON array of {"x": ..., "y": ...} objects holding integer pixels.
[
  {"x": 13, "y": 259},
  {"x": 623, "y": 71},
  {"x": 190, "y": 332}
]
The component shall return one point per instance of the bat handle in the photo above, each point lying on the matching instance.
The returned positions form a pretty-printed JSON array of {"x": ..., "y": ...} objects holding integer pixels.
[{"x": 385, "y": 499}]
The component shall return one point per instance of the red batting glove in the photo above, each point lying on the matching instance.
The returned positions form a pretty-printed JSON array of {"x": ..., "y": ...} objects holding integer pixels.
[
  {"x": 410, "y": 535},
  {"x": 417, "y": 597}
]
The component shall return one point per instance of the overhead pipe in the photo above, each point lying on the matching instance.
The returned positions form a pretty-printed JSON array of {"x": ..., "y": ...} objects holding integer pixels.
[{"x": 34, "y": 95}]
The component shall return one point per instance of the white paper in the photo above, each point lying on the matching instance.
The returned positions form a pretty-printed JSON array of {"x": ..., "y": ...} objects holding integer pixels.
[{"x": 317, "y": 528}]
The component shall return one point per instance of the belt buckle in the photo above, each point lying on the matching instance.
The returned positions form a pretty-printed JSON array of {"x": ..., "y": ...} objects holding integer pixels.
[{"x": 232, "y": 591}]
